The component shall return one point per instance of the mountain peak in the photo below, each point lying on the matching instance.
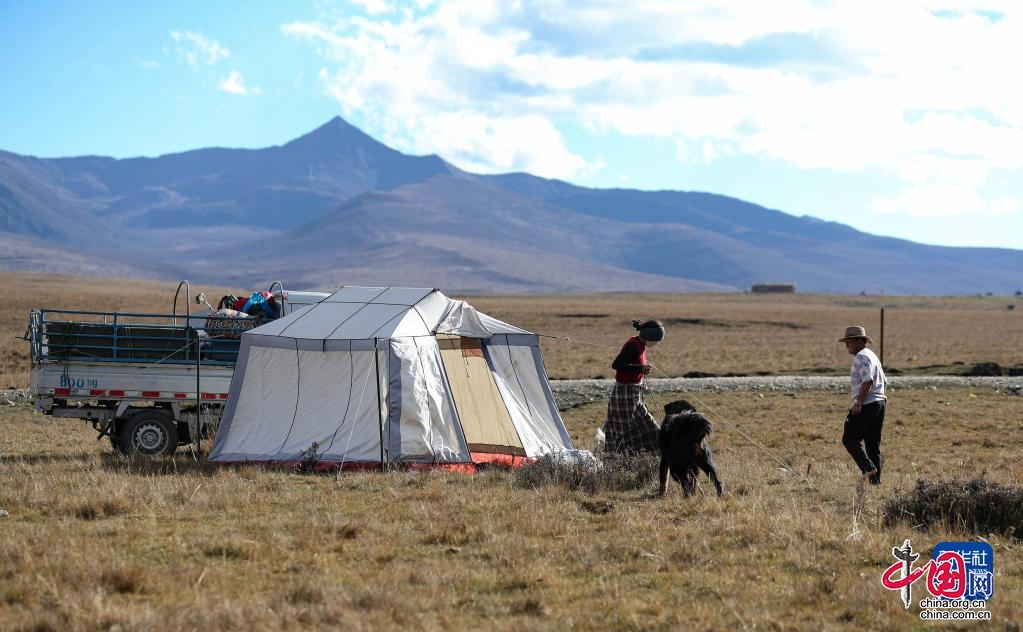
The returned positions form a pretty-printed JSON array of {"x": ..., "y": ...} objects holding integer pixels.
[
  {"x": 336, "y": 122},
  {"x": 333, "y": 134}
]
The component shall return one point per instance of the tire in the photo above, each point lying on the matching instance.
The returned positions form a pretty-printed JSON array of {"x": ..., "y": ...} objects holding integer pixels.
[{"x": 149, "y": 433}]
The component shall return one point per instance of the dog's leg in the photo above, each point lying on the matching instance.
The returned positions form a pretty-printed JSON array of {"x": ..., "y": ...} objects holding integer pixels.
[
  {"x": 712, "y": 473},
  {"x": 689, "y": 483},
  {"x": 664, "y": 475},
  {"x": 707, "y": 465}
]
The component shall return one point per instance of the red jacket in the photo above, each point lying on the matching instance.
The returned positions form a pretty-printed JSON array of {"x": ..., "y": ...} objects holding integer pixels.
[{"x": 628, "y": 365}]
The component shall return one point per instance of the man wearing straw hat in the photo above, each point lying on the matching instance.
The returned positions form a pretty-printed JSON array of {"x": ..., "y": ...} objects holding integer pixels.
[{"x": 862, "y": 435}]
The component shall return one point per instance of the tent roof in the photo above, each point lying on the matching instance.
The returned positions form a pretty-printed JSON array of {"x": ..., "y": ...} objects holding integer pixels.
[{"x": 359, "y": 313}]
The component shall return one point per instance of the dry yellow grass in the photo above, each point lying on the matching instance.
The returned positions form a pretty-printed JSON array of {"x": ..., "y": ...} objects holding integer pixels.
[
  {"x": 710, "y": 333},
  {"x": 94, "y": 540},
  {"x": 772, "y": 334},
  {"x": 98, "y": 541}
]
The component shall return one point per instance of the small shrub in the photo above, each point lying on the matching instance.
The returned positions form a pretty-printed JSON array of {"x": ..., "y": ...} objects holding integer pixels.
[
  {"x": 614, "y": 472},
  {"x": 974, "y": 505},
  {"x": 309, "y": 459},
  {"x": 986, "y": 369}
]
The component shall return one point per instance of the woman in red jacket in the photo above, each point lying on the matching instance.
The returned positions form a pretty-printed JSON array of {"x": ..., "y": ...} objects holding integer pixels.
[{"x": 630, "y": 427}]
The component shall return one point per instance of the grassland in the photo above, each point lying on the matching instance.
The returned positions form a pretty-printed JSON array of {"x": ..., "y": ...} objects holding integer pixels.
[
  {"x": 707, "y": 333},
  {"x": 93, "y": 540},
  {"x": 770, "y": 334}
]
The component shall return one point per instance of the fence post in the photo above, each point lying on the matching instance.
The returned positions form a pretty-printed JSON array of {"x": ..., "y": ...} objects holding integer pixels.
[{"x": 882, "y": 337}]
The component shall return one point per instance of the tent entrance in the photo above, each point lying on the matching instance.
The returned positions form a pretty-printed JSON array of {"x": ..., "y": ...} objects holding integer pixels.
[{"x": 485, "y": 420}]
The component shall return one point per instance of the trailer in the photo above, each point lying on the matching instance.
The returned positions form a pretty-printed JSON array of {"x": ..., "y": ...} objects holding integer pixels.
[{"x": 149, "y": 382}]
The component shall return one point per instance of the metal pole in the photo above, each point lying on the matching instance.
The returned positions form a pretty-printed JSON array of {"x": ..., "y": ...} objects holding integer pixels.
[
  {"x": 382, "y": 420},
  {"x": 198, "y": 392},
  {"x": 187, "y": 298}
]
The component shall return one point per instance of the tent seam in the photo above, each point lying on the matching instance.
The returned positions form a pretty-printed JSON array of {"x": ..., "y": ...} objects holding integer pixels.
[
  {"x": 348, "y": 404},
  {"x": 298, "y": 398},
  {"x": 355, "y": 312}
]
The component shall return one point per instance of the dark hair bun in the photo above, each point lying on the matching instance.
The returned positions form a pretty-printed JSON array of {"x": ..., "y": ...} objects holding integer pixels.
[{"x": 651, "y": 330}]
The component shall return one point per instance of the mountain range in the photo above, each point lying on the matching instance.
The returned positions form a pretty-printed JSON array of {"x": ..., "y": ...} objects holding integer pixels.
[{"x": 336, "y": 207}]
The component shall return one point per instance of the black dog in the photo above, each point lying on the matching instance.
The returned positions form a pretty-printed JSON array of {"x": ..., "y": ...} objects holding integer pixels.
[{"x": 684, "y": 447}]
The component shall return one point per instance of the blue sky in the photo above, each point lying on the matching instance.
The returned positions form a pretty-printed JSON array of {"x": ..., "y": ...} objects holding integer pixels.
[{"x": 897, "y": 118}]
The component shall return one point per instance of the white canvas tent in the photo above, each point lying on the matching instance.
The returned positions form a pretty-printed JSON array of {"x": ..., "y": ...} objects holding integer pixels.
[{"x": 389, "y": 376}]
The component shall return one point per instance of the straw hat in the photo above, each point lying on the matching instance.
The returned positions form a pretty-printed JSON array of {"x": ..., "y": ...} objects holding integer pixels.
[{"x": 855, "y": 331}]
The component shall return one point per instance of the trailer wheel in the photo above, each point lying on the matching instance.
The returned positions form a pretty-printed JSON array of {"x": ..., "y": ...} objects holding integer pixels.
[{"x": 150, "y": 433}]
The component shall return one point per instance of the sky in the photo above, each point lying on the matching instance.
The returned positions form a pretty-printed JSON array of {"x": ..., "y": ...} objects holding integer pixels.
[{"x": 899, "y": 118}]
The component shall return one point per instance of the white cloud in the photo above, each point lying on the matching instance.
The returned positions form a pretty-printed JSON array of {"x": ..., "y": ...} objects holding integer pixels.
[
  {"x": 195, "y": 49},
  {"x": 919, "y": 91},
  {"x": 931, "y": 200},
  {"x": 374, "y": 7},
  {"x": 486, "y": 144},
  {"x": 944, "y": 200},
  {"x": 316, "y": 33},
  {"x": 234, "y": 83}
]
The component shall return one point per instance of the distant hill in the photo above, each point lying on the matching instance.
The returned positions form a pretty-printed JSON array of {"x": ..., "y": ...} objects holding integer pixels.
[
  {"x": 465, "y": 233},
  {"x": 336, "y": 207}
]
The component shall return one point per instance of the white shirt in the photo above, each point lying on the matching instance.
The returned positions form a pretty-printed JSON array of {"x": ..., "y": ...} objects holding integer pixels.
[{"x": 867, "y": 368}]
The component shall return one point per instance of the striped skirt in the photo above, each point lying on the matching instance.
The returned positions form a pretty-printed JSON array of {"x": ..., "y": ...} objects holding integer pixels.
[{"x": 629, "y": 427}]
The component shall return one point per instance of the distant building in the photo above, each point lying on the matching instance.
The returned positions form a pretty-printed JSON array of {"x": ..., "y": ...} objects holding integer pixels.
[{"x": 773, "y": 288}]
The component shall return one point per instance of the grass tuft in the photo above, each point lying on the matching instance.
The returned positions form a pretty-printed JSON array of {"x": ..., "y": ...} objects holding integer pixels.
[
  {"x": 977, "y": 506},
  {"x": 96, "y": 509},
  {"x": 346, "y": 532},
  {"x": 614, "y": 472},
  {"x": 124, "y": 581},
  {"x": 532, "y": 607},
  {"x": 456, "y": 535},
  {"x": 227, "y": 552},
  {"x": 305, "y": 594}
]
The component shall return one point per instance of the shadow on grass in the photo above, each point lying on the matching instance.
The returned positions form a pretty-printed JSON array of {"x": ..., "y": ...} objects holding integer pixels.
[
  {"x": 177, "y": 464},
  {"x": 46, "y": 458}
]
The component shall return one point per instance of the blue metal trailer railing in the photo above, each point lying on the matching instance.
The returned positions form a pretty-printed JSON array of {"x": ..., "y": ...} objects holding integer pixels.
[{"x": 58, "y": 335}]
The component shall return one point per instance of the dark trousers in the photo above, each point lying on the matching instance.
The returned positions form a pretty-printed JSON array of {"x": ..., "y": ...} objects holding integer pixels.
[{"x": 862, "y": 437}]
